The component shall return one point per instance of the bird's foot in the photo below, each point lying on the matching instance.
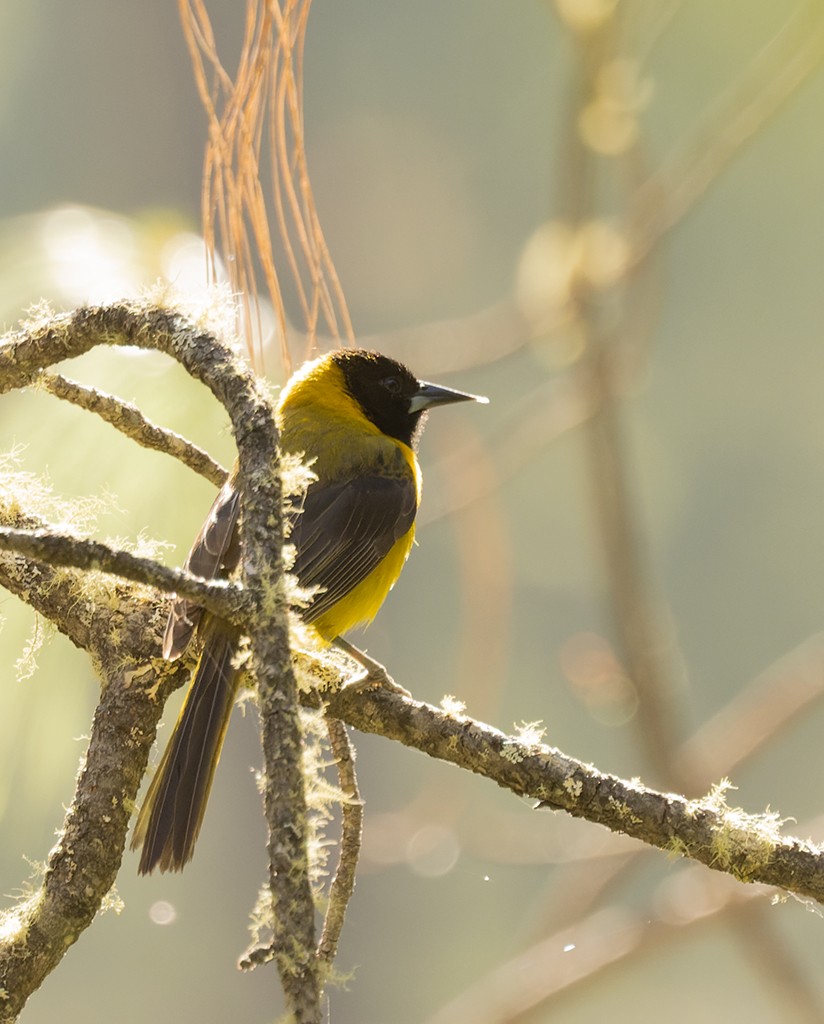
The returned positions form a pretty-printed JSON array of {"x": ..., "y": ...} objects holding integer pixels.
[{"x": 374, "y": 674}]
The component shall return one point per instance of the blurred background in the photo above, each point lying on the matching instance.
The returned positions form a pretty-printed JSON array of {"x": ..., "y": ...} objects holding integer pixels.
[{"x": 515, "y": 195}]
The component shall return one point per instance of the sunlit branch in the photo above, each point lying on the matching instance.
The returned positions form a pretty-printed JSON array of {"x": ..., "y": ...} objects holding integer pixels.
[
  {"x": 223, "y": 597},
  {"x": 129, "y": 420}
]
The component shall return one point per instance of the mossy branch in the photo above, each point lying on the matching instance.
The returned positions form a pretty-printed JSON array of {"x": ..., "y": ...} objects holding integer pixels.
[
  {"x": 343, "y": 883},
  {"x": 223, "y": 597},
  {"x": 750, "y": 847},
  {"x": 33, "y": 926},
  {"x": 122, "y": 638}
]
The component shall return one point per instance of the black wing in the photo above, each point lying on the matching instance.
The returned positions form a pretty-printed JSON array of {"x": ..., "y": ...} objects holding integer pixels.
[
  {"x": 215, "y": 553},
  {"x": 345, "y": 530},
  {"x": 342, "y": 532}
]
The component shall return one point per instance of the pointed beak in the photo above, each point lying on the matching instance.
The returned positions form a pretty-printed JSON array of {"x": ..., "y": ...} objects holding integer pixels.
[{"x": 429, "y": 395}]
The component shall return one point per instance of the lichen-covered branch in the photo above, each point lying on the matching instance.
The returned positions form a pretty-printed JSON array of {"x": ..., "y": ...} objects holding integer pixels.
[
  {"x": 129, "y": 420},
  {"x": 284, "y": 797},
  {"x": 750, "y": 847},
  {"x": 343, "y": 884},
  {"x": 747, "y": 846},
  {"x": 23, "y": 357},
  {"x": 122, "y": 639},
  {"x": 223, "y": 597}
]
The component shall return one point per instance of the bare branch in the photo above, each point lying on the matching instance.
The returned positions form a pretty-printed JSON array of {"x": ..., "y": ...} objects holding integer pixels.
[
  {"x": 634, "y": 607},
  {"x": 596, "y": 942},
  {"x": 757, "y": 713},
  {"x": 50, "y": 592},
  {"x": 646, "y": 649},
  {"x": 772, "y": 78}
]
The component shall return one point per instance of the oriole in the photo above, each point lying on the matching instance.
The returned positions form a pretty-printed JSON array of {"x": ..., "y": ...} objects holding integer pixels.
[{"x": 355, "y": 417}]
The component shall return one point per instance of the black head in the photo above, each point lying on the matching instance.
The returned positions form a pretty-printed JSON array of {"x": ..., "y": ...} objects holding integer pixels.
[
  {"x": 390, "y": 395},
  {"x": 384, "y": 389}
]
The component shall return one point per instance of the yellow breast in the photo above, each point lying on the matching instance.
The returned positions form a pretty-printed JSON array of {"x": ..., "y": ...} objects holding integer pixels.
[{"x": 318, "y": 419}]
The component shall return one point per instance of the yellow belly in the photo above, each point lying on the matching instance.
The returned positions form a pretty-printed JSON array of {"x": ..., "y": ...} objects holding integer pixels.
[{"x": 361, "y": 605}]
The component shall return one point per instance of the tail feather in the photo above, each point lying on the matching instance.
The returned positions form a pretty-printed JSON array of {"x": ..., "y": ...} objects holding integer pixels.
[{"x": 170, "y": 818}]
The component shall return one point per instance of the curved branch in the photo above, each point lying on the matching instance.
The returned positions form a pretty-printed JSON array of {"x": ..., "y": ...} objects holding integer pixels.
[
  {"x": 343, "y": 883},
  {"x": 23, "y": 357},
  {"x": 749, "y": 847}
]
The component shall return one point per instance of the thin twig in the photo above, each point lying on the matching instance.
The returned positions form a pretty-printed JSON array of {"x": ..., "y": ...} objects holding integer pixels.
[
  {"x": 646, "y": 649},
  {"x": 256, "y": 118},
  {"x": 129, "y": 420},
  {"x": 756, "y": 714},
  {"x": 343, "y": 884}
]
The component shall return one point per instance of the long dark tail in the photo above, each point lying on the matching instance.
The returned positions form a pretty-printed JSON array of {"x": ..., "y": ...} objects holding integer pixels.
[{"x": 169, "y": 821}]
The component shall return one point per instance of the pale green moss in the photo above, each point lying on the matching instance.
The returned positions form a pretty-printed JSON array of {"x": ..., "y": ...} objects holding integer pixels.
[
  {"x": 112, "y": 901},
  {"x": 512, "y": 751},
  {"x": 21, "y": 490},
  {"x": 624, "y": 813},
  {"x": 530, "y": 734},
  {"x": 526, "y": 741},
  {"x": 316, "y": 667},
  {"x": 13, "y": 924},
  {"x": 573, "y": 786},
  {"x": 742, "y": 844},
  {"x": 26, "y": 665},
  {"x": 212, "y": 310},
  {"x": 677, "y": 848}
]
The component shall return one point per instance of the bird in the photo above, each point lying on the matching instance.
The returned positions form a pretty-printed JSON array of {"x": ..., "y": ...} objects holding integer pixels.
[{"x": 355, "y": 417}]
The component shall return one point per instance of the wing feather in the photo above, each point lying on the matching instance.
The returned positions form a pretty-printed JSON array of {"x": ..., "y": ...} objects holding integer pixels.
[
  {"x": 342, "y": 531},
  {"x": 345, "y": 530},
  {"x": 214, "y": 553}
]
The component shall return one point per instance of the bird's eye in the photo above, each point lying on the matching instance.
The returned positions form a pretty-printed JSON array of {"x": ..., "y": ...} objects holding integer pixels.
[{"x": 392, "y": 385}]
